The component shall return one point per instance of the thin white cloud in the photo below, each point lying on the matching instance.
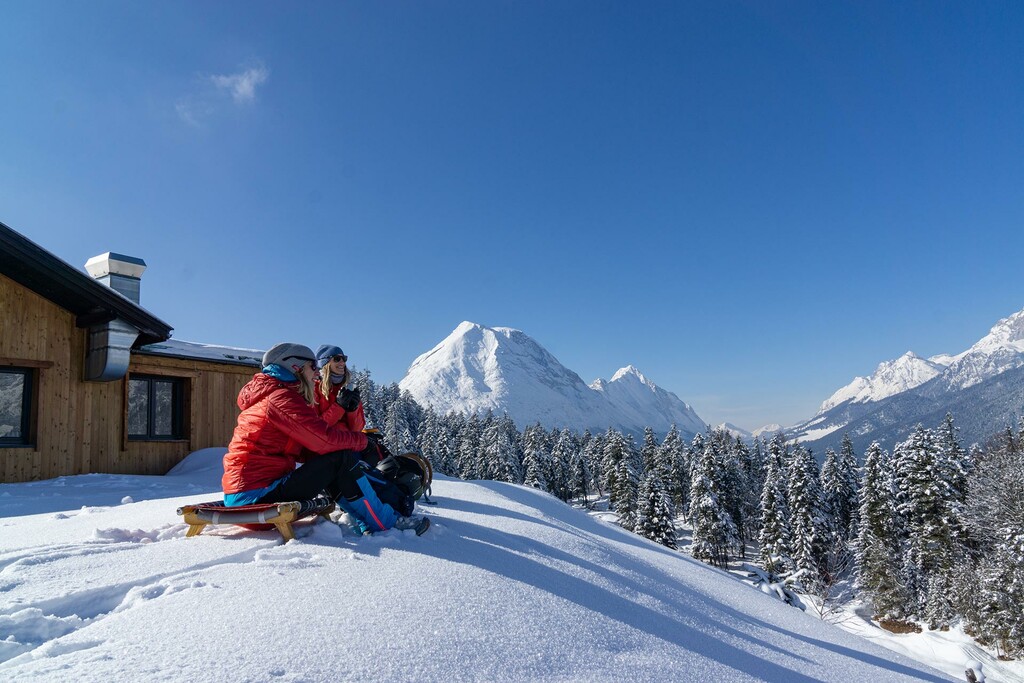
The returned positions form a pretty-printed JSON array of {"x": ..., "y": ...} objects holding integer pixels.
[
  {"x": 242, "y": 86},
  {"x": 213, "y": 93}
]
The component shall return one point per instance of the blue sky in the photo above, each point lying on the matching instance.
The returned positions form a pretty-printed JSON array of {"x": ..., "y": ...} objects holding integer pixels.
[{"x": 750, "y": 202}]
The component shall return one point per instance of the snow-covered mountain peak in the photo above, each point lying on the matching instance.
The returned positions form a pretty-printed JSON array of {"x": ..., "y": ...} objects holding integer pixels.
[
  {"x": 1007, "y": 333},
  {"x": 630, "y": 372},
  {"x": 767, "y": 430},
  {"x": 1000, "y": 350},
  {"x": 734, "y": 430},
  {"x": 478, "y": 368},
  {"x": 890, "y": 377}
]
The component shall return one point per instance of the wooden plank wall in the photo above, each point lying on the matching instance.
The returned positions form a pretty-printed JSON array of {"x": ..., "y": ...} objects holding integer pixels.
[{"x": 80, "y": 426}]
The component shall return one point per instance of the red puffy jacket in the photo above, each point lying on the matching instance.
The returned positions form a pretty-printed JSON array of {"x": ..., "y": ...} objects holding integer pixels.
[
  {"x": 333, "y": 414},
  {"x": 276, "y": 429}
]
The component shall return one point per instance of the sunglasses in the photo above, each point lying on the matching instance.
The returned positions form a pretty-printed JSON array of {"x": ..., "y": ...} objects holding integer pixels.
[{"x": 339, "y": 358}]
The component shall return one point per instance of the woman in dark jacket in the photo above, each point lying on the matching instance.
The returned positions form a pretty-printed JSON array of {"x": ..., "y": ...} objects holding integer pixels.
[
  {"x": 279, "y": 427},
  {"x": 336, "y": 402}
]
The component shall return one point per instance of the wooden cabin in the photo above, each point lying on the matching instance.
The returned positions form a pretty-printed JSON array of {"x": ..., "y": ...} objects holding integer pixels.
[{"x": 91, "y": 382}]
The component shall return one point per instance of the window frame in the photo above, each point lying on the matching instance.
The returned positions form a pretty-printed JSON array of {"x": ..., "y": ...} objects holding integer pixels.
[
  {"x": 179, "y": 387},
  {"x": 30, "y": 391}
]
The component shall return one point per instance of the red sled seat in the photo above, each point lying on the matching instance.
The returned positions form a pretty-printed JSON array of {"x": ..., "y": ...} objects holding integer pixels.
[{"x": 260, "y": 517}]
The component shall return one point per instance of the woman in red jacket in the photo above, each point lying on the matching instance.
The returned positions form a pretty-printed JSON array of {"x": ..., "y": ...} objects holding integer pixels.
[
  {"x": 336, "y": 403},
  {"x": 279, "y": 427}
]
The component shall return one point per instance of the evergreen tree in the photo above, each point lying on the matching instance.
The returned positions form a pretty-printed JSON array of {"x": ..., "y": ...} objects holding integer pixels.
[
  {"x": 401, "y": 421},
  {"x": 580, "y": 475},
  {"x": 625, "y": 488},
  {"x": 469, "y": 448},
  {"x": 691, "y": 454},
  {"x": 839, "y": 494},
  {"x": 593, "y": 456},
  {"x": 751, "y": 463},
  {"x": 714, "y": 531},
  {"x": 808, "y": 529},
  {"x": 649, "y": 451},
  {"x": 995, "y": 519},
  {"x": 446, "y": 444},
  {"x": 671, "y": 454},
  {"x": 500, "y": 461},
  {"x": 430, "y": 432},
  {"x": 654, "y": 516},
  {"x": 564, "y": 452},
  {"x": 926, "y": 502},
  {"x": 535, "y": 457},
  {"x": 614, "y": 451},
  {"x": 774, "y": 539},
  {"x": 877, "y": 556}
]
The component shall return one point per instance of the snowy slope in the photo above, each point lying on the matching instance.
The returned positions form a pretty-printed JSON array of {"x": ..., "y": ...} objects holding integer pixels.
[
  {"x": 479, "y": 368},
  {"x": 508, "y": 585}
]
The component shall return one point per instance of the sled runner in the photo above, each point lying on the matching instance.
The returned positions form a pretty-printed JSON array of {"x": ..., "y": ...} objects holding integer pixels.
[{"x": 260, "y": 517}]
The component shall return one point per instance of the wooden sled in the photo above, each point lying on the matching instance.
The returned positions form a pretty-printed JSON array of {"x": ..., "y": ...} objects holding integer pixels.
[{"x": 261, "y": 516}]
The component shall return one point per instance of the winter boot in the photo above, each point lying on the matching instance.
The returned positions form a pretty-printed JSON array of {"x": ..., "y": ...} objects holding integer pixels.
[{"x": 418, "y": 523}]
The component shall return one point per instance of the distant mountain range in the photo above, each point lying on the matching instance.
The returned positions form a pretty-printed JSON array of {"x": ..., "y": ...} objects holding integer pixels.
[
  {"x": 479, "y": 368},
  {"x": 983, "y": 387}
]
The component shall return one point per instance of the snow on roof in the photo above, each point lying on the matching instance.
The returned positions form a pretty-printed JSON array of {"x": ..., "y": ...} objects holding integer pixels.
[{"x": 176, "y": 348}]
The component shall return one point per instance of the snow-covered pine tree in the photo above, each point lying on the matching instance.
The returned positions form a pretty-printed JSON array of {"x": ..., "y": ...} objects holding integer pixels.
[
  {"x": 1002, "y": 595},
  {"x": 714, "y": 532},
  {"x": 580, "y": 475},
  {"x": 877, "y": 550},
  {"x": 807, "y": 524},
  {"x": 500, "y": 461},
  {"x": 593, "y": 455},
  {"x": 926, "y": 502},
  {"x": 430, "y": 431},
  {"x": 751, "y": 462},
  {"x": 995, "y": 519},
  {"x": 614, "y": 450},
  {"x": 670, "y": 455},
  {"x": 469, "y": 447},
  {"x": 516, "y": 439},
  {"x": 649, "y": 450},
  {"x": 535, "y": 457},
  {"x": 564, "y": 452},
  {"x": 732, "y": 480},
  {"x": 691, "y": 454},
  {"x": 446, "y": 444},
  {"x": 558, "y": 465},
  {"x": 774, "y": 537},
  {"x": 625, "y": 489},
  {"x": 654, "y": 515},
  {"x": 401, "y": 421}
]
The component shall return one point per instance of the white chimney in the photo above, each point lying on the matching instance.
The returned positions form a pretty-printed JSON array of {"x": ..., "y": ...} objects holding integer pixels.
[{"x": 119, "y": 272}]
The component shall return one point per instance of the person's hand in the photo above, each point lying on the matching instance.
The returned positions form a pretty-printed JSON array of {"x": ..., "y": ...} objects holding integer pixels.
[{"x": 348, "y": 399}]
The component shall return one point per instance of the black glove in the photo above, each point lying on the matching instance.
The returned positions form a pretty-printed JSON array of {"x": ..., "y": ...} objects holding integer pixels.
[{"x": 348, "y": 399}]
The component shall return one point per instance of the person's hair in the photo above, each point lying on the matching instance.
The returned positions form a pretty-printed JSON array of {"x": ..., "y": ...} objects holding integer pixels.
[
  {"x": 306, "y": 387},
  {"x": 325, "y": 379}
]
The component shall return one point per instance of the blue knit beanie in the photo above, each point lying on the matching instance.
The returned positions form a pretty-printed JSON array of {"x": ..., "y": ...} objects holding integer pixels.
[{"x": 324, "y": 353}]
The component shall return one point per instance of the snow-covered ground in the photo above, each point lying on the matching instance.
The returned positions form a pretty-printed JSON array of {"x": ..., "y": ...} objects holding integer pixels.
[{"x": 99, "y": 583}]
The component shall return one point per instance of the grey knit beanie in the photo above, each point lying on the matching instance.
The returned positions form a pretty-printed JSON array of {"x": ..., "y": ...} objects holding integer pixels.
[{"x": 289, "y": 356}]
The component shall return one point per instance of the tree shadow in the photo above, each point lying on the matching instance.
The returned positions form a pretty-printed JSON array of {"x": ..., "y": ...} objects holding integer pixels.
[{"x": 498, "y": 552}]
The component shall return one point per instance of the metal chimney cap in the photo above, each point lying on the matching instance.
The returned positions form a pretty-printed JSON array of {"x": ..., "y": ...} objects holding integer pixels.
[{"x": 115, "y": 264}]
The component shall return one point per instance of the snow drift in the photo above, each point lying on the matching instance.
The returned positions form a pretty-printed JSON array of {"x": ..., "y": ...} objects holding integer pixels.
[{"x": 509, "y": 584}]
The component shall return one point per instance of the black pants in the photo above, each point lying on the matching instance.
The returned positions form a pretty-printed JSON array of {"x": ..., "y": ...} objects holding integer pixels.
[{"x": 336, "y": 473}]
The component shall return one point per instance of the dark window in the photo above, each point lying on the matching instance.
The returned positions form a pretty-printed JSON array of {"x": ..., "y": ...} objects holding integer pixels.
[
  {"x": 16, "y": 388},
  {"x": 155, "y": 407}
]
